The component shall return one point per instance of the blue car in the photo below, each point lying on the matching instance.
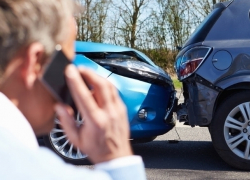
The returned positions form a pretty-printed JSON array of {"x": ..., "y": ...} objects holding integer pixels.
[{"x": 146, "y": 90}]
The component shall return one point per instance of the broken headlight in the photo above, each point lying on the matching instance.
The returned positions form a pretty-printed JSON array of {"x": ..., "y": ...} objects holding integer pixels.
[{"x": 136, "y": 70}]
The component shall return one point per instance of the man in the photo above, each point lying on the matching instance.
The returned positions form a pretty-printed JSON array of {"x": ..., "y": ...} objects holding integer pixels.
[{"x": 29, "y": 32}]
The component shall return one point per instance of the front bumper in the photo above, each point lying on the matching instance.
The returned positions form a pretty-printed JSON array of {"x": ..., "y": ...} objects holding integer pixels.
[
  {"x": 171, "y": 109},
  {"x": 161, "y": 124},
  {"x": 155, "y": 99}
]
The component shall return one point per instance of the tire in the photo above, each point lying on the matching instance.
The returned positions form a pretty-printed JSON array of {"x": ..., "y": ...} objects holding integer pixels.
[
  {"x": 143, "y": 140},
  {"x": 57, "y": 141},
  {"x": 230, "y": 130}
]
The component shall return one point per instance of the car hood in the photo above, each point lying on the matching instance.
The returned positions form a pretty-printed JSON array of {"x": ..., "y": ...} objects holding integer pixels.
[
  {"x": 124, "y": 61},
  {"x": 90, "y": 47}
]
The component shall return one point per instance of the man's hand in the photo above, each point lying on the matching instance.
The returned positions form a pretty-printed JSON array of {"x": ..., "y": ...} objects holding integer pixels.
[{"x": 105, "y": 133}]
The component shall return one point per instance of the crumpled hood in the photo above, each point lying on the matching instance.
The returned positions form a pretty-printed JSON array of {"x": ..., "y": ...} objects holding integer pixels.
[
  {"x": 124, "y": 61},
  {"x": 137, "y": 70}
]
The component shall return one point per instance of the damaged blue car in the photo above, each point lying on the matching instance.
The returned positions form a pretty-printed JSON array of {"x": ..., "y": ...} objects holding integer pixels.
[{"x": 145, "y": 88}]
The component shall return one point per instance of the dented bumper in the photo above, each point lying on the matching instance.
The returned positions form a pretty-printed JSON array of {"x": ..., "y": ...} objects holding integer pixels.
[
  {"x": 173, "y": 102},
  {"x": 199, "y": 101}
]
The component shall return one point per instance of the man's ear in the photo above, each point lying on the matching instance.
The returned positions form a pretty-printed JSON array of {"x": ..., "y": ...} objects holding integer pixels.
[{"x": 32, "y": 64}]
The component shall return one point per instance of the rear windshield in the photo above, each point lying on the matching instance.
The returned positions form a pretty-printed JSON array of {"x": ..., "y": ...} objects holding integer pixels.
[{"x": 203, "y": 29}]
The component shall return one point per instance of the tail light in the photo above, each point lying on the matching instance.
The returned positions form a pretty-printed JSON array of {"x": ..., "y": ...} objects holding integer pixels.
[{"x": 192, "y": 60}]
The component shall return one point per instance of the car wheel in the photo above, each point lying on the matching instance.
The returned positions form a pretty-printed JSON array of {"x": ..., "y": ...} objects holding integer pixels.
[
  {"x": 57, "y": 141},
  {"x": 230, "y": 130}
]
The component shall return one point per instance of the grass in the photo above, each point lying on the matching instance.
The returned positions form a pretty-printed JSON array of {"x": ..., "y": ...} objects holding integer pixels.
[{"x": 177, "y": 83}]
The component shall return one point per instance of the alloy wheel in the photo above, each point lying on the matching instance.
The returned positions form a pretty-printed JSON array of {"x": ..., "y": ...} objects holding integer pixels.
[
  {"x": 237, "y": 130},
  {"x": 61, "y": 143}
]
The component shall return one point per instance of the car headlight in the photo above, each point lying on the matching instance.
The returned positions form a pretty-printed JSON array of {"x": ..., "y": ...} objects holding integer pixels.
[
  {"x": 136, "y": 69},
  {"x": 191, "y": 61}
]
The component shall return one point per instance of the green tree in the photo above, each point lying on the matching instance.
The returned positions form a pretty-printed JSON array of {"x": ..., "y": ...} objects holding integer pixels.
[{"x": 130, "y": 19}]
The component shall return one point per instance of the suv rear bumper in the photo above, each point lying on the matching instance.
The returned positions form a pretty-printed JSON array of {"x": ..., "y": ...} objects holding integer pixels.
[{"x": 200, "y": 101}]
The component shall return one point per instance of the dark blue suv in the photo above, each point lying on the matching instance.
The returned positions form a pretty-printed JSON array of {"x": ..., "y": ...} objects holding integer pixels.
[{"x": 214, "y": 66}]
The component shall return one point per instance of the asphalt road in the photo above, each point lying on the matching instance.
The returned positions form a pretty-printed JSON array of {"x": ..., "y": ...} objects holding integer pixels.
[{"x": 192, "y": 158}]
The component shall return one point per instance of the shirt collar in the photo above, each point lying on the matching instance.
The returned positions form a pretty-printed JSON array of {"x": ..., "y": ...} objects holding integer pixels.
[{"x": 12, "y": 120}]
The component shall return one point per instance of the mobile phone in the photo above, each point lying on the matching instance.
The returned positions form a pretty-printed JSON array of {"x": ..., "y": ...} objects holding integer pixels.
[{"x": 54, "y": 79}]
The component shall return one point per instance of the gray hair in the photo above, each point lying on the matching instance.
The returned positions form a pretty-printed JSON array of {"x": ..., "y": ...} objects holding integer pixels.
[{"x": 23, "y": 22}]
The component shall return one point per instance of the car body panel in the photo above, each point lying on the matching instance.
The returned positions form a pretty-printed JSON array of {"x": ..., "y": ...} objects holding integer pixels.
[
  {"x": 81, "y": 60},
  {"x": 229, "y": 82},
  {"x": 214, "y": 75},
  {"x": 227, "y": 26},
  {"x": 100, "y": 47},
  {"x": 135, "y": 93},
  {"x": 208, "y": 83},
  {"x": 139, "y": 95}
]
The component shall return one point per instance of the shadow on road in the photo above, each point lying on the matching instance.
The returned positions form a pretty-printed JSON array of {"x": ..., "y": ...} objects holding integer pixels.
[{"x": 193, "y": 155}]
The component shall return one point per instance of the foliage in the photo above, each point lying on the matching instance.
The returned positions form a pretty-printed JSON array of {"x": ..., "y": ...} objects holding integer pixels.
[
  {"x": 164, "y": 58},
  {"x": 177, "y": 83}
]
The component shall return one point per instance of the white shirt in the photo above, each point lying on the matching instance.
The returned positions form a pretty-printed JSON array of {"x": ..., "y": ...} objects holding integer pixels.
[{"x": 22, "y": 158}]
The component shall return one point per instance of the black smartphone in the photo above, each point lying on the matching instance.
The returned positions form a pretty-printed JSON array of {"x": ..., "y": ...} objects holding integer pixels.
[{"x": 54, "y": 80}]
